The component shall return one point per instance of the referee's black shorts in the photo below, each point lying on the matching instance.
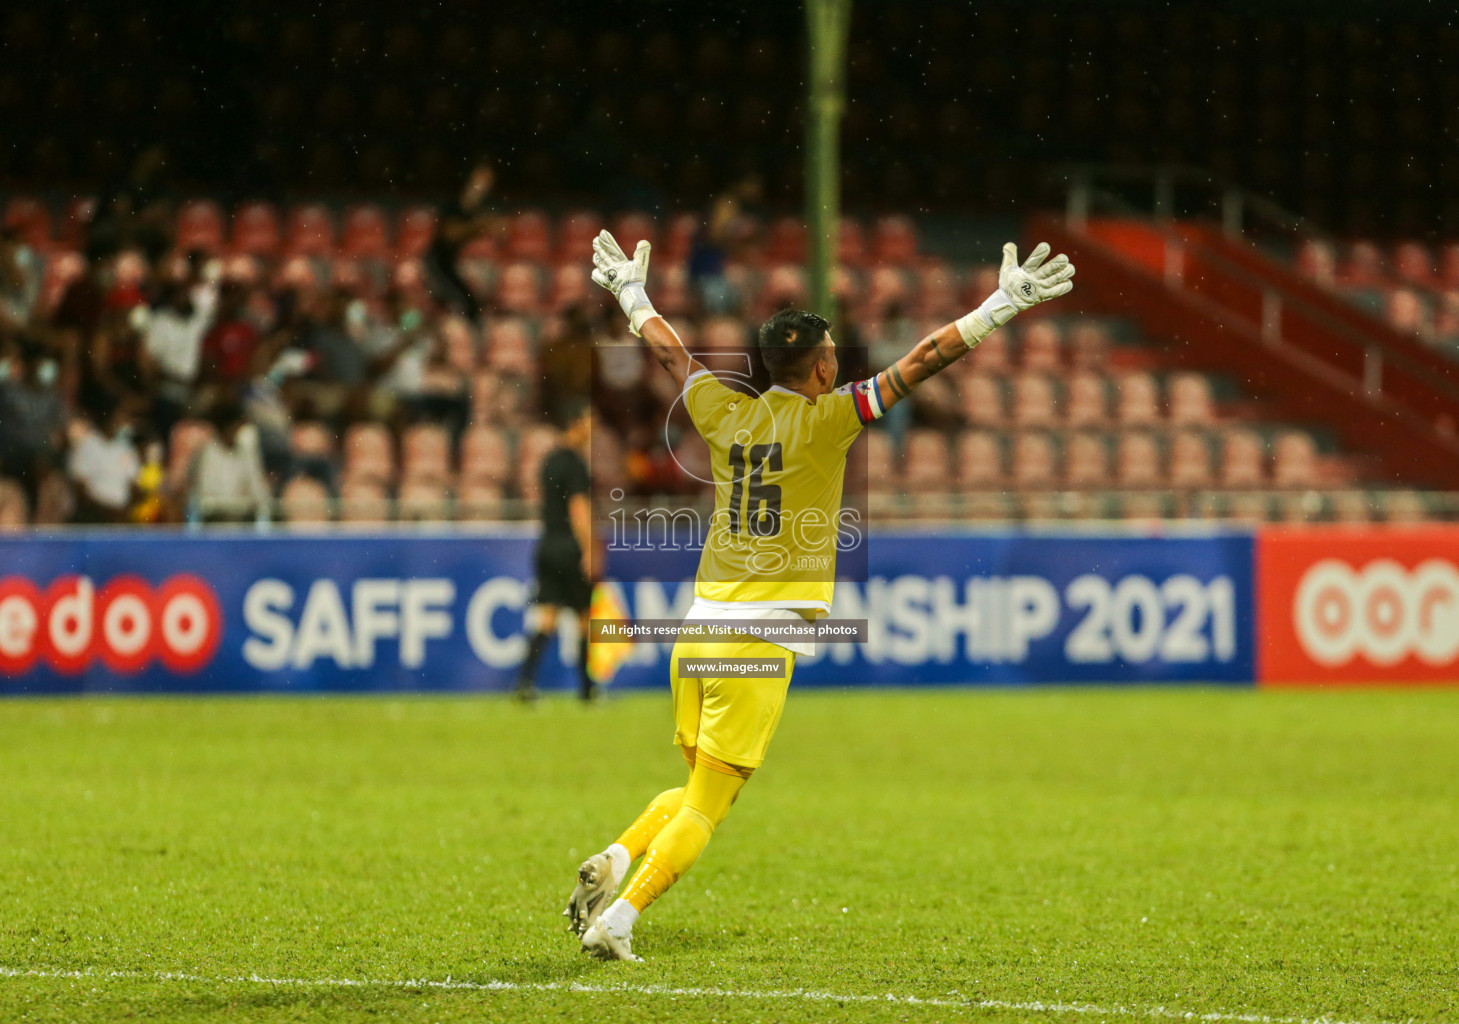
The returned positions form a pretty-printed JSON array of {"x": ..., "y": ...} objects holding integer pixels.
[{"x": 560, "y": 578}]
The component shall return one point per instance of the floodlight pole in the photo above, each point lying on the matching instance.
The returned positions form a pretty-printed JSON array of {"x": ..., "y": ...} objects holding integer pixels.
[{"x": 827, "y": 23}]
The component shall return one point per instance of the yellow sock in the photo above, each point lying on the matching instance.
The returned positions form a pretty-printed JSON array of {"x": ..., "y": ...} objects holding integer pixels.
[
  {"x": 651, "y": 822},
  {"x": 678, "y": 845}
]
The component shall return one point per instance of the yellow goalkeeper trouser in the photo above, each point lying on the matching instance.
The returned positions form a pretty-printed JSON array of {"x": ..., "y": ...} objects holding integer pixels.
[
  {"x": 682, "y": 836},
  {"x": 724, "y": 726}
]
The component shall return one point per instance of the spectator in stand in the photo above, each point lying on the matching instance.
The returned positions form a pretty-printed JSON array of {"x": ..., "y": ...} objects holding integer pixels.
[
  {"x": 331, "y": 337},
  {"x": 565, "y": 366},
  {"x": 398, "y": 343},
  {"x": 115, "y": 368},
  {"x": 465, "y": 218},
  {"x": 716, "y": 243},
  {"x": 225, "y": 480},
  {"x": 133, "y": 212},
  {"x": 33, "y": 419},
  {"x": 104, "y": 465},
  {"x": 20, "y": 282},
  {"x": 173, "y": 343},
  {"x": 268, "y": 409},
  {"x": 230, "y": 346}
]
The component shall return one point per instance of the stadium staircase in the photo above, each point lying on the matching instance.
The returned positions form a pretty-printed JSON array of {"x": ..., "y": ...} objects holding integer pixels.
[{"x": 1227, "y": 306}]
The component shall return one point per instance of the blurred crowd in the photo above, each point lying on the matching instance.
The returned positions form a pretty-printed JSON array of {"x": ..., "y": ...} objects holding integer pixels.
[{"x": 157, "y": 373}]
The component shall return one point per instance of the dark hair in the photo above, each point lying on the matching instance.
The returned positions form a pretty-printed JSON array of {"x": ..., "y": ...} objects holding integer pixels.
[
  {"x": 226, "y": 412},
  {"x": 788, "y": 343}
]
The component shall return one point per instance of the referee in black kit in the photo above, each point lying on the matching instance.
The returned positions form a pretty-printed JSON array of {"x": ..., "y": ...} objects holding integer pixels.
[{"x": 564, "y": 576}]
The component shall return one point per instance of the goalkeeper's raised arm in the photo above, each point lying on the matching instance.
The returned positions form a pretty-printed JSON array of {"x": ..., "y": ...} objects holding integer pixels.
[
  {"x": 1020, "y": 287},
  {"x": 626, "y": 279}
]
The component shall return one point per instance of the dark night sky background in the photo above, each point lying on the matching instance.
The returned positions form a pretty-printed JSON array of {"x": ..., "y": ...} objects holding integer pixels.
[{"x": 1346, "y": 112}]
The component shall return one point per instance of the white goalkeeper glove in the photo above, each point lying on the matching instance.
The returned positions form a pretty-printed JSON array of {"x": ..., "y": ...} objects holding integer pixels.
[
  {"x": 1019, "y": 288},
  {"x": 624, "y": 277}
]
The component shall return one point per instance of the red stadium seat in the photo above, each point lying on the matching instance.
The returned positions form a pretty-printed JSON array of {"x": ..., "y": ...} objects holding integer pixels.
[
  {"x": 369, "y": 453},
  {"x": 529, "y": 237},
  {"x": 310, "y": 231},
  {"x": 485, "y": 456},
  {"x": 1414, "y": 263},
  {"x": 888, "y": 287},
  {"x": 991, "y": 354},
  {"x": 880, "y": 464},
  {"x": 575, "y": 238},
  {"x": 532, "y": 448},
  {"x": 1086, "y": 461},
  {"x": 1317, "y": 261},
  {"x": 982, "y": 400},
  {"x": 784, "y": 285},
  {"x": 1364, "y": 267},
  {"x": 256, "y": 229},
  {"x": 633, "y": 227},
  {"x": 478, "y": 501},
  {"x": 1042, "y": 347},
  {"x": 1243, "y": 459},
  {"x": 14, "y": 508},
  {"x": 1033, "y": 400},
  {"x": 509, "y": 347},
  {"x": 979, "y": 460},
  {"x": 200, "y": 226},
  {"x": 787, "y": 241},
  {"x": 679, "y": 238},
  {"x": 1408, "y": 312},
  {"x": 925, "y": 465},
  {"x": 312, "y": 439},
  {"x": 938, "y": 293},
  {"x": 417, "y": 228},
  {"x": 1294, "y": 460},
  {"x": 459, "y": 338},
  {"x": 1191, "y": 404},
  {"x": 304, "y": 500},
  {"x": 423, "y": 501},
  {"x": 1137, "y": 460},
  {"x": 425, "y": 454},
  {"x": 363, "y": 501},
  {"x": 1034, "y": 460},
  {"x": 896, "y": 241},
  {"x": 1449, "y": 268},
  {"x": 1190, "y": 460},
  {"x": 982, "y": 281},
  {"x": 1085, "y": 400},
  {"x": 1090, "y": 344},
  {"x": 1139, "y": 400},
  {"x": 520, "y": 290},
  {"x": 366, "y": 233}
]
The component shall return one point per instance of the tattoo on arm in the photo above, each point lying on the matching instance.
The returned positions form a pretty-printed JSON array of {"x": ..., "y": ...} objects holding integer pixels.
[
  {"x": 897, "y": 381},
  {"x": 942, "y": 361}
]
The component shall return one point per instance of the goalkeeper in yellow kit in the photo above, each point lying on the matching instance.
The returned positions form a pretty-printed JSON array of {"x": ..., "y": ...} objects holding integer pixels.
[{"x": 779, "y": 459}]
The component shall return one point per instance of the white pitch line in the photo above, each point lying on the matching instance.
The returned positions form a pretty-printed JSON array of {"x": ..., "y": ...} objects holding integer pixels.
[{"x": 809, "y": 995}]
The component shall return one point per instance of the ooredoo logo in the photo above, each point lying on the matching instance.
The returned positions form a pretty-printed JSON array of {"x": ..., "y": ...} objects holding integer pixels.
[
  {"x": 126, "y": 624},
  {"x": 1383, "y": 612}
]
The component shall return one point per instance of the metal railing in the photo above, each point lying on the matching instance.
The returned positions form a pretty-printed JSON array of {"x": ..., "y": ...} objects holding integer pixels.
[{"x": 1087, "y": 195}]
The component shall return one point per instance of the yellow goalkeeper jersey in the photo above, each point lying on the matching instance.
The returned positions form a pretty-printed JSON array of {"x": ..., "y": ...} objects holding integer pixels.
[{"x": 779, "y": 464}]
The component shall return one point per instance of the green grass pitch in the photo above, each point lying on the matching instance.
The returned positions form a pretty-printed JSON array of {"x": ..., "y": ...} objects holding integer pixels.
[{"x": 1070, "y": 854}]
